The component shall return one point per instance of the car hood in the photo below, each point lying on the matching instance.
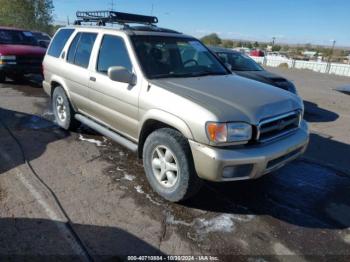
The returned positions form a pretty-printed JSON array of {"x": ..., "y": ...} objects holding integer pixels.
[
  {"x": 233, "y": 98},
  {"x": 22, "y": 50},
  {"x": 262, "y": 76}
]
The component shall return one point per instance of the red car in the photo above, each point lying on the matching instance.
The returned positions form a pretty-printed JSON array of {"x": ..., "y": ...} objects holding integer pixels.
[
  {"x": 20, "y": 54},
  {"x": 257, "y": 53}
]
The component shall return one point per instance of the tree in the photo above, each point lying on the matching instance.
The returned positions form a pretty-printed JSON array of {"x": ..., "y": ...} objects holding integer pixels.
[
  {"x": 276, "y": 48},
  {"x": 212, "y": 39},
  {"x": 27, "y": 14},
  {"x": 239, "y": 44},
  {"x": 248, "y": 45},
  {"x": 262, "y": 45},
  {"x": 256, "y": 44},
  {"x": 285, "y": 48},
  {"x": 227, "y": 43}
]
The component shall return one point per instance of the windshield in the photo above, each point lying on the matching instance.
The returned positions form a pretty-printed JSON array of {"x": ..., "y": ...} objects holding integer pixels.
[
  {"x": 41, "y": 36},
  {"x": 163, "y": 57},
  {"x": 16, "y": 37},
  {"x": 239, "y": 62}
]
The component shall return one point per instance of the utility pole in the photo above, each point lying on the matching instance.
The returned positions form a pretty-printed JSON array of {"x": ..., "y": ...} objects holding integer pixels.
[
  {"x": 331, "y": 54},
  {"x": 112, "y": 4}
]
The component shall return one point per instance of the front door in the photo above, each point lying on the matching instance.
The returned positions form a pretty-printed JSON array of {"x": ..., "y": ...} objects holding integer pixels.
[{"x": 114, "y": 103}]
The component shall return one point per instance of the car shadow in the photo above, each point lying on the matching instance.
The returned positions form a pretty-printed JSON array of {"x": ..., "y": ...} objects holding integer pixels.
[
  {"x": 37, "y": 239},
  {"x": 302, "y": 193},
  {"x": 36, "y": 131},
  {"x": 28, "y": 80},
  {"x": 313, "y": 113}
]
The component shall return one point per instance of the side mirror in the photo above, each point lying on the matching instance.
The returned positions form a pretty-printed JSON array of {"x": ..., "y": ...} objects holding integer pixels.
[
  {"x": 229, "y": 66},
  {"x": 121, "y": 74}
]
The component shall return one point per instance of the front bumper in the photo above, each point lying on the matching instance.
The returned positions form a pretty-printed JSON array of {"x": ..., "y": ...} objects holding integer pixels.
[
  {"x": 20, "y": 69},
  {"x": 249, "y": 162}
]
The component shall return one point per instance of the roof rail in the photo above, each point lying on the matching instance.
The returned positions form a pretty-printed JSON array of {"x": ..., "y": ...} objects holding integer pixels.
[{"x": 111, "y": 17}]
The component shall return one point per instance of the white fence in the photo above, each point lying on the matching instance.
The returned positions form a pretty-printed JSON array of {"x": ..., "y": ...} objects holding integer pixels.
[{"x": 321, "y": 67}]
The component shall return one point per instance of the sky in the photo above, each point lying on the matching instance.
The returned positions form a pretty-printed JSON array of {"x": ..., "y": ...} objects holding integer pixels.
[{"x": 290, "y": 21}]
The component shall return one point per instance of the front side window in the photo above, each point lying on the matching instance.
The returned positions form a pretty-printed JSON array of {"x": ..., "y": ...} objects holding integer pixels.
[
  {"x": 80, "y": 50},
  {"x": 59, "y": 42},
  {"x": 163, "y": 57},
  {"x": 113, "y": 52}
]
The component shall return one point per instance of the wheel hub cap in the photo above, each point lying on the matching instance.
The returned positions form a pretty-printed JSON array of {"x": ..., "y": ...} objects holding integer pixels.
[
  {"x": 61, "y": 109},
  {"x": 165, "y": 167}
]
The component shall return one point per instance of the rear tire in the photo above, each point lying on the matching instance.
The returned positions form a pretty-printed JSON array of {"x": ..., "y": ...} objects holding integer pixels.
[
  {"x": 63, "y": 110},
  {"x": 169, "y": 165},
  {"x": 2, "y": 77}
]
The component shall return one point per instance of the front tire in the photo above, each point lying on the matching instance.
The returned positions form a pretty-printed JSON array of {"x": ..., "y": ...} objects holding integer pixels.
[
  {"x": 169, "y": 165},
  {"x": 63, "y": 110}
]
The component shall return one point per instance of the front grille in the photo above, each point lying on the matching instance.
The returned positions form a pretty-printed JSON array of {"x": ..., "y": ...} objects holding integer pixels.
[
  {"x": 273, "y": 128},
  {"x": 29, "y": 60}
]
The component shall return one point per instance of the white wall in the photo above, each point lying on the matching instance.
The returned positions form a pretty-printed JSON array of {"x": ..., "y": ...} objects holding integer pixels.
[{"x": 321, "y": 67}]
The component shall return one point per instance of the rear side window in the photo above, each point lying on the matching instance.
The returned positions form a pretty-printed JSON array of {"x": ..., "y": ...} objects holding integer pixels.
[
  {"x": 113, "y": 52},
  {"x": 59, "y": 42},
  {"x": 73, "y": 48},
  {"x": 80, "y": 50}
]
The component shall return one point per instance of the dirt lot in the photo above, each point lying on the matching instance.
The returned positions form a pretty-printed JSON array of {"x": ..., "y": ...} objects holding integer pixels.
[{"x": 81, "y": 195}]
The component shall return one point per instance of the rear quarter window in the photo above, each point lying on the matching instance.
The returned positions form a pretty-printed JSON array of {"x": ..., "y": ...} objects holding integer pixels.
[
  {"x": 59, "y": 42},
  {"x": 80, "y": 50}
]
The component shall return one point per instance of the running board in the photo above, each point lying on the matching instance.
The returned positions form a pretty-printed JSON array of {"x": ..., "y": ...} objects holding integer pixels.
[{"x": 107, "y": 132}]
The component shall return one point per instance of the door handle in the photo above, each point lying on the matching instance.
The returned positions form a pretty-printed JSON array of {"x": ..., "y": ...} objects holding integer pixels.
[{"x": 93, "y": 79}]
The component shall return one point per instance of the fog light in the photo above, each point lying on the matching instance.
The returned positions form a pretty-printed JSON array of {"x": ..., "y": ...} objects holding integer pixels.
[{"x": 237, "y": 171}]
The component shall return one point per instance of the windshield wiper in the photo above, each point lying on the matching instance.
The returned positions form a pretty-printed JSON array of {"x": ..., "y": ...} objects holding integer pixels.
[{"x": 207, "y": 73}]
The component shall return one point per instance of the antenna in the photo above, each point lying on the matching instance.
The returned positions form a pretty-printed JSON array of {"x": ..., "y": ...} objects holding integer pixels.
[{"x": 152, "y": 9}]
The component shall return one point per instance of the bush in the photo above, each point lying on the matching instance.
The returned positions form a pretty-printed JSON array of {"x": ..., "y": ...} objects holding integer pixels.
[{"x": 283, "y": 65}]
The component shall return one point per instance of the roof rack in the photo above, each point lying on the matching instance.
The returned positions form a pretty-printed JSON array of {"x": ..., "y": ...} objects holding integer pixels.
[{"x": 111, "y": 17}]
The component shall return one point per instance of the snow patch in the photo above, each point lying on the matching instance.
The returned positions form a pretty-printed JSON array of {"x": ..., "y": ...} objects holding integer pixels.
[
  {"x": 47, "y": 113},
  {"x": 221, "y": 223},
  {"x": 92, "y": 141},
  {"x": 140, "y": 191},
  {"x": 129, "y": 177},
  {"x": 170, "y": 219}
]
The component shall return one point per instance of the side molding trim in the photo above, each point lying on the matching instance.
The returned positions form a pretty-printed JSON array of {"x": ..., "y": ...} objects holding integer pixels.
[{"x": 107, "y": 132}]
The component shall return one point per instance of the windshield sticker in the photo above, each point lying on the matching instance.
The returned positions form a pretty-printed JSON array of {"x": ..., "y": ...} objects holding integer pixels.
[
  {"x": 198, "y": 46},
  {"x": 28, "y": 34}
]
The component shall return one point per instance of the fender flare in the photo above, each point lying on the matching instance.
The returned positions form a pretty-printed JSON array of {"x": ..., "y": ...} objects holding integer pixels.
[
  {"x": 168, "y": 119},
  {"x": 60, "y": 81}
]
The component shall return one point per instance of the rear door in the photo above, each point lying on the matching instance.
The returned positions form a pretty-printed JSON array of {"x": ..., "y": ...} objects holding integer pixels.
[
  {"x": 113, "y": 103},
  {"x": 75, "y": 70}
]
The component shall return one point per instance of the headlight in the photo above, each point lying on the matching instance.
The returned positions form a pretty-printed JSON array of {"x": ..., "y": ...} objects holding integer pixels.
[
  {"x": 7, "y": 59},
  {"x": 229, "y": 132}
]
